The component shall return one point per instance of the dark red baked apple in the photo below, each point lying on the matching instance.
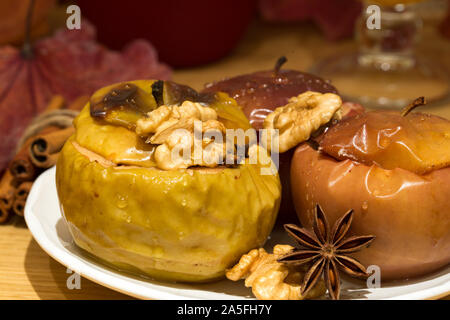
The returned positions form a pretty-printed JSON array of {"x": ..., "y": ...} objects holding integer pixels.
[{"x": 259, "y": 93}]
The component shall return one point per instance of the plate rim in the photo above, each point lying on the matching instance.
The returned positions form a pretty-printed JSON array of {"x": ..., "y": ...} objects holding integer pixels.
[{"x": 112, "y": 282}]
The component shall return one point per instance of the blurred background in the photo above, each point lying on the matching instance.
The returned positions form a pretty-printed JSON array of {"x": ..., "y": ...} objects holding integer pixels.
[
  {"x": 199, "y": 41},
  {"x": 222, "y": 38}
]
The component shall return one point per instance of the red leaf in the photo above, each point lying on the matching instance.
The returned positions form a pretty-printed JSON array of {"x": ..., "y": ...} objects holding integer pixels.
[{"x": 70, "y": 63}]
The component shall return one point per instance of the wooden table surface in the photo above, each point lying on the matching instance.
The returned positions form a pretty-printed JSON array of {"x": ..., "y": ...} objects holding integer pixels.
[{"x": 27, "y": 272}]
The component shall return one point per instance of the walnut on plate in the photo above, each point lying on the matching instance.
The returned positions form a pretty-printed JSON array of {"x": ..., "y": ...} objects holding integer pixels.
[
  {"x": 270, "y": 279},
  {"x": 302, "y": 116}
]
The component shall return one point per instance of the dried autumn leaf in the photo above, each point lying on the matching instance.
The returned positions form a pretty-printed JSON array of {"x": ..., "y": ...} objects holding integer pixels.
[{"x": 70, "y": 63}]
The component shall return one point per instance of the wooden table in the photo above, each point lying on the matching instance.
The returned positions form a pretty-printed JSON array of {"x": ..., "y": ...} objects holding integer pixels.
[{"x": 27, "y": 272}]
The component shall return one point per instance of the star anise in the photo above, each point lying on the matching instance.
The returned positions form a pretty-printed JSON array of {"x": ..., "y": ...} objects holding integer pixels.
[{"x": 327, "y": 251}]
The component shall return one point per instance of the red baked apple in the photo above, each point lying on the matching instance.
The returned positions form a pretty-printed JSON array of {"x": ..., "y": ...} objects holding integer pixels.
[{"x": 394, "y": 172}]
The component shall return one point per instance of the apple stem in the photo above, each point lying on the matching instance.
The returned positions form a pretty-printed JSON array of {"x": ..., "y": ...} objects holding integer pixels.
[
  {"x": 281, "y": 60},
  {"x": 410, "y": 107},
  {"x": 27, "y": 50},
  {"x": 313, "y": 144}
]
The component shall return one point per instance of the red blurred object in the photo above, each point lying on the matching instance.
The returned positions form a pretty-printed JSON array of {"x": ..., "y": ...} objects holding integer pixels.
[
  {"x": 70, "y": 63},
  {"x": 185, "y": 33},
  {"x": 336, "y": 18}
]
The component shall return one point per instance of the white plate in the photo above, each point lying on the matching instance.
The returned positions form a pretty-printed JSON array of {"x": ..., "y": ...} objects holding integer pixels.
[{"x": 43, "y": 217}]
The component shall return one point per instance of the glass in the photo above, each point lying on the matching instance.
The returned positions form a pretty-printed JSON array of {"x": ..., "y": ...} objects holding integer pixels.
[{"x": 387, "y": 70}]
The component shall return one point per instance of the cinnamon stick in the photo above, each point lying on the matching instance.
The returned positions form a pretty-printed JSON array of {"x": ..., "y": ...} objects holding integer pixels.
[
  {"x": 44, "y": 148},
  {"x": 23, "y": 190},
  {"x": 38, "y": 149},
  {"x": 21, "y": 167},
  {"x": 7, "y": 189},
  {"x": 46, "y": 161},
  {"x": 19, "y": 206},
  {"x": 20, "y": 197},
  {"x": 52, "y": 142},
  {"x": 6, "y": 195},
  {"x": 4, "y": 213}
]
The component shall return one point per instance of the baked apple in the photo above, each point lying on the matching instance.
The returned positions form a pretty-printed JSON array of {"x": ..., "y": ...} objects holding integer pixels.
[
  {"x": 179, "y": 223},
  {"x": 393, "y": 170},
  {"x": 260, "y": 93}
]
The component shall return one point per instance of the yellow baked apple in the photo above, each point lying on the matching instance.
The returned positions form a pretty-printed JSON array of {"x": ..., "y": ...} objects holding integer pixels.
[{"x": 187, "y": 224}]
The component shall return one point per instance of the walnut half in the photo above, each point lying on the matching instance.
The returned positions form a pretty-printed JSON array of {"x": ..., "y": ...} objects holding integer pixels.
[
  {"x": 172, "y": 129},
  {"x": 271, "y": 280},
  {"x": 174, "y": 142},
  {"x": 298, "y": 119}
]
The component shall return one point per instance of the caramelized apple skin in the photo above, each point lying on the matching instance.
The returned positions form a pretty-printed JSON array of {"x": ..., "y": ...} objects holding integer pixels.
[
  {"x": 417, "y": 142},
  {"x": 408, "y": 213},
  {"x": 261, "y": 92}
]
